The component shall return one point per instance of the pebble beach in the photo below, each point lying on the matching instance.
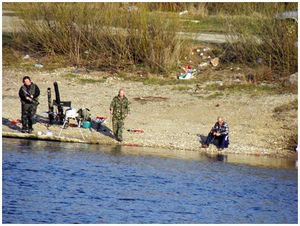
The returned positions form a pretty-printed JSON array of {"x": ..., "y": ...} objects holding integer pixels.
[{"x": 168, "y": 117}]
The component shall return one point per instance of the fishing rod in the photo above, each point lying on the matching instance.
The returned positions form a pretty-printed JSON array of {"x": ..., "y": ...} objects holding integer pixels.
[
  {"x": 50, "y": 107},
  {"x": 58, "y": 103},
  {"x": 27, "y": 94},
  {"x": 30, "y": 97}
]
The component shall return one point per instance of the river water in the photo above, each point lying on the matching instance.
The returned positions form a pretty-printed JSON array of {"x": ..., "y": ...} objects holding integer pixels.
[{"x": 49, "y": 182}]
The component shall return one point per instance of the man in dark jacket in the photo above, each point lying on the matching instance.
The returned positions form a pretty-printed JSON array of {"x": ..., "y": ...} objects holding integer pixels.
[
  {"x": 28, "y": 94},
  {"x": 119, "y": 108},
  {"x": 219, "y": 132}
]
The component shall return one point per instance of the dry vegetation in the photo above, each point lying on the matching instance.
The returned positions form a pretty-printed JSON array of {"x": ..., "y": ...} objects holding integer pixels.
[
  {"x": 100, "y": 35},
  {"x": 134, "y": 36}
]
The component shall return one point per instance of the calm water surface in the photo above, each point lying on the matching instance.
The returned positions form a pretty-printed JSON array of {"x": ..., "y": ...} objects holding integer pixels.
[{"x": 47, "y": 182}]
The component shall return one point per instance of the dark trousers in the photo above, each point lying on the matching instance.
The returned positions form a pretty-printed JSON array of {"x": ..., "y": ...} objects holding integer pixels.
[
  {"x": 28, "y": 112},
  {"x": 222, "y": 140}
]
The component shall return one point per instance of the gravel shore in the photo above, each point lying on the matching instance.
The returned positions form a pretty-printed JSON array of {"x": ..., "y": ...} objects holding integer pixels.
[{"x": 169, "y": 117}]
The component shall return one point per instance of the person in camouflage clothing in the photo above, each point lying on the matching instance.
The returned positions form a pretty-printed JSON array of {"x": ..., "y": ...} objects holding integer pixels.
[
  {"x": 28, "y": 94},
  {"x": 119, "y": 108}
]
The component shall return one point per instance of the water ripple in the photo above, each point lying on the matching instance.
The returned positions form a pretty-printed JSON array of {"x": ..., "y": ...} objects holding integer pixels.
[{"x": 52, "y": 183}]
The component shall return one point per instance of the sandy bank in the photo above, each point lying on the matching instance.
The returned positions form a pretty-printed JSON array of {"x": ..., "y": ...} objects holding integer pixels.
[{"x": 176, "y": 121}]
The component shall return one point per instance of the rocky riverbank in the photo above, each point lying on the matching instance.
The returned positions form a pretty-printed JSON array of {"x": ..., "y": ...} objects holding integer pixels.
[{"x": 170, "y": 116}]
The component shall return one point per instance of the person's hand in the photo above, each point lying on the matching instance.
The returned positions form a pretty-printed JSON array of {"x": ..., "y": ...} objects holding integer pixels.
[
  {"x": 218, "y": 134},
  {"x": 110, "y": 112},
  {"x": 28, "y": 98}
]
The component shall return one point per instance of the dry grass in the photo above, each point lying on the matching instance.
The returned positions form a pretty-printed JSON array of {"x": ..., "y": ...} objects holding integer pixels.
[
  {"x": 142, "y": 36},
  {"x": 264, "y": 40},
  {"x": 181, "y": 88},
  {"x": 293, "y": 105},
  {"x": 103, "y": 36}
]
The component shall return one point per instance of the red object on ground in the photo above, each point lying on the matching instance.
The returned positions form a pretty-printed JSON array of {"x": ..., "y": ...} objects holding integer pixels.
[
  {"x": 101, "y": 118},
  {"x": 187, "y": 68},
  {"x": 136, "y": 130},
  {"x": 15, "y": 121}
]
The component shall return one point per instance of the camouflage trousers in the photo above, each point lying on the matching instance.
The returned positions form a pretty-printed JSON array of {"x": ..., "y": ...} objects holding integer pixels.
[
  {"x": 118, "y": 125},
  {"x": 28, "y": 112}
]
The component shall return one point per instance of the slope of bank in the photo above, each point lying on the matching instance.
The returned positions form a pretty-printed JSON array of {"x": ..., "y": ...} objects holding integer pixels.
[{"x": 170, "y": 117}]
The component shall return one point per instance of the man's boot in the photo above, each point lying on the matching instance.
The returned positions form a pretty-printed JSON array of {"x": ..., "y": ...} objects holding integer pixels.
[{"x": 24, "y": 129}]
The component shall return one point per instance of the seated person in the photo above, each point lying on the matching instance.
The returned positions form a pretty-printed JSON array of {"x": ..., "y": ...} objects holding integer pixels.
[
  {"x": 219, "y": 132},
  {"x": 83, "y": 115}
]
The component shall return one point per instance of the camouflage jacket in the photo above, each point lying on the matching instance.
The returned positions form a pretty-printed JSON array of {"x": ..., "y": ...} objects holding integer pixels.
[{"x": 120, "y": 107}]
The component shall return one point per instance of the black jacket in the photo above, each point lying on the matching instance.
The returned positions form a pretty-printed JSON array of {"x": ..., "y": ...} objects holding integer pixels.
[
  {"x": 222, "y": 129},
  {"x": 26, "y": 91}
]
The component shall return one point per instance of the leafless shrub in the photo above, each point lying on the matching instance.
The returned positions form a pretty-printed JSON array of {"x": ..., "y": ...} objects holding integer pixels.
[
  {"x": 101, "y": 35},
  {"x": 264, "y": 40}
]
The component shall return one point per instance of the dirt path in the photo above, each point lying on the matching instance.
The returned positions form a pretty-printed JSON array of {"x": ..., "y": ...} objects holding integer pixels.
[{"x": 174, "y": 121}]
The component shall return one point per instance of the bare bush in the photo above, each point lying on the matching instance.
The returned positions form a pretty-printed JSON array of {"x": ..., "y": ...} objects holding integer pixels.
[
  {"x": 266, "y": 40},
  {"x": 101, "y": 35}
]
